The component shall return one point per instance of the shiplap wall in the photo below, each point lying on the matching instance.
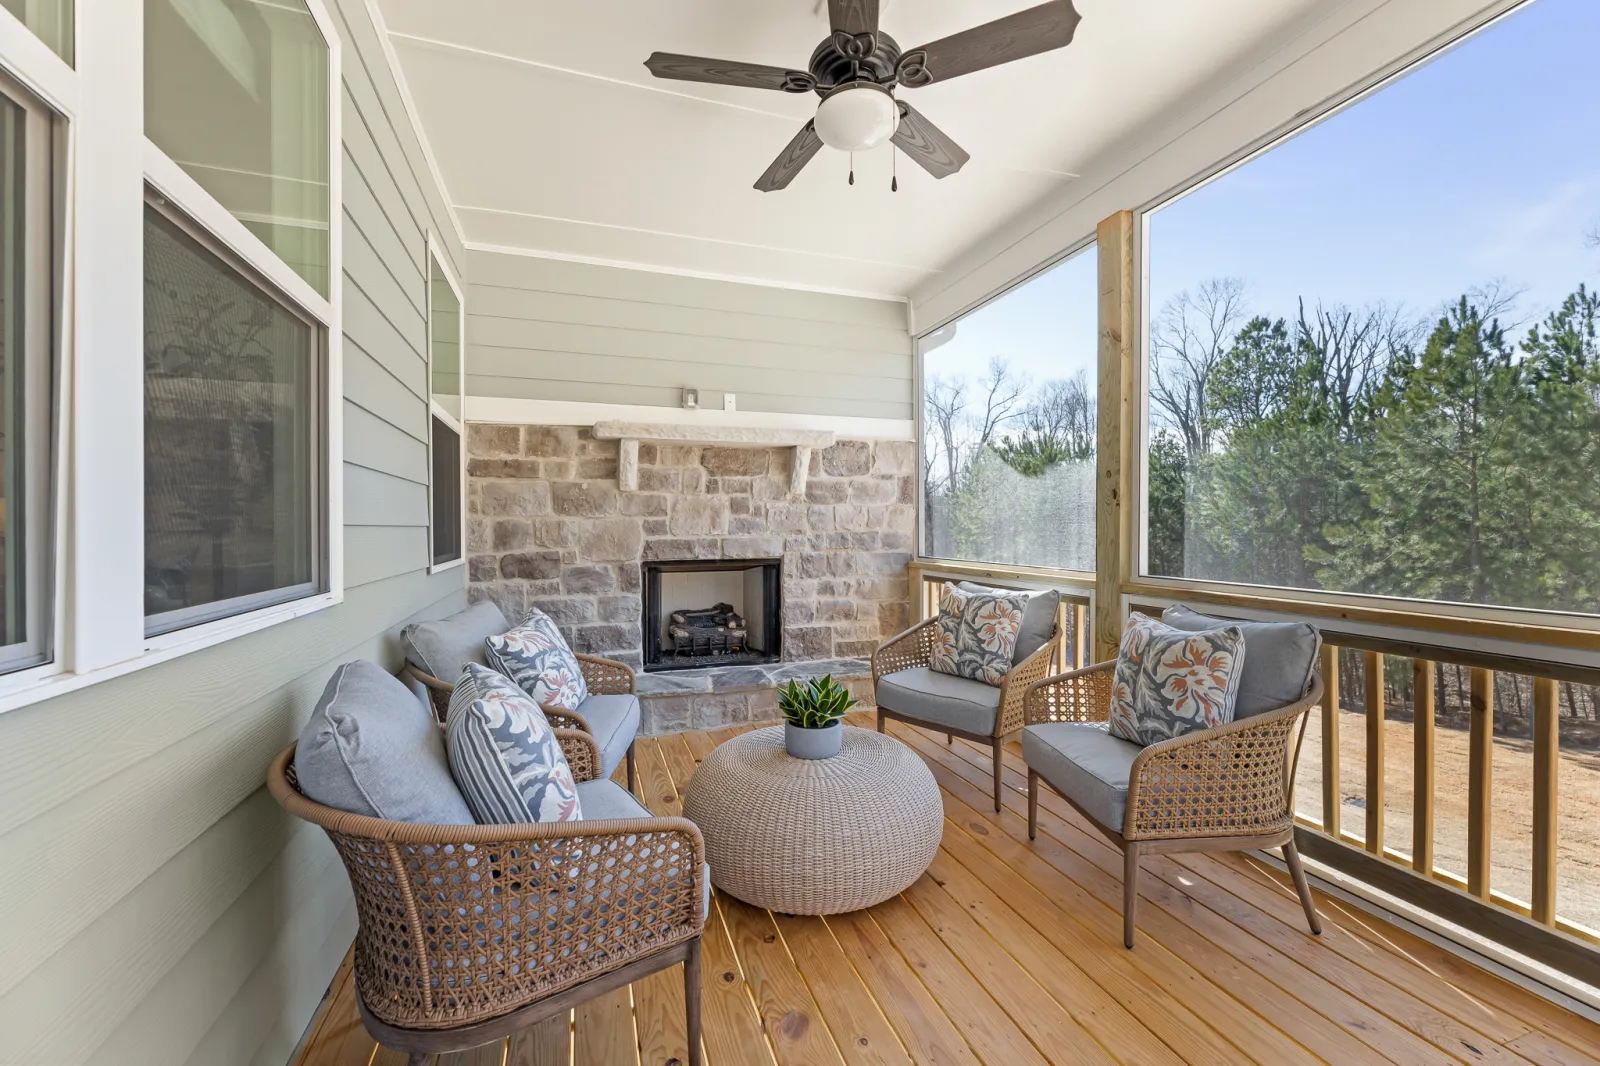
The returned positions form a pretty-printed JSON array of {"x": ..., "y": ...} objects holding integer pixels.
[
  {"x": 548, "y": 329},
  {"x": 156, "y": 907}
]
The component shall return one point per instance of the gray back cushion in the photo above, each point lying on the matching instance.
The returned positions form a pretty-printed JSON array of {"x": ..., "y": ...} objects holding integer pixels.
[
  {"x": 370, "y": 748},
  {"x": 442, "y": 648},
  {"x": 1038, "y": 618},
  {"x": 1279, "y": 663}
]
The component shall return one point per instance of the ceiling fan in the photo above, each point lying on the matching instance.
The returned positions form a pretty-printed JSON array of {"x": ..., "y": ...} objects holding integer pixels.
[{"x": 856, "y": 69}]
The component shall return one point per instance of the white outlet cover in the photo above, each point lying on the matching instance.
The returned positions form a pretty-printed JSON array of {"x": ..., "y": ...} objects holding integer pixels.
[{"x": 728, "y": 402}]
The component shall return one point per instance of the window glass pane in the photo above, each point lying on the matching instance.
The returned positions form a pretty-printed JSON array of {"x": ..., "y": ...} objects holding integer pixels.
[
  {"x": 444, "y": 316},
  {"x": 25, "y": 387},
  {"x": 231, "y": 437},
  {"x": 1374, "y": 355},
  {"x": 50, "y": 21},
  {"x": 236, "y": 92},
  {"x": 1008, "y": 425},
  {"x": 446, "y": 493}
]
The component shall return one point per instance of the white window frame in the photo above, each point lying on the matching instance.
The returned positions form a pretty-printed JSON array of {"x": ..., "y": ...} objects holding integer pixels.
[
  {"x": 105, "y": 164},
  {"x": 459, "y": 424}
]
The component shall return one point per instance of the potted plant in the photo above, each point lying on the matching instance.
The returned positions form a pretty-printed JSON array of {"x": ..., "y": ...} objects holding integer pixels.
[{"x": 813, "y": 716}]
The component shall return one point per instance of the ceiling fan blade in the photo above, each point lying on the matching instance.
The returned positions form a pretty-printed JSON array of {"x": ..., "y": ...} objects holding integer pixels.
[
  {"x": 929, "y": 145},
  {"x": 1038, "y": 29},
  {"x": 796, "y": 154},
  {"x": 727, "y": 72},
  {"x": 853, "y": 16}
]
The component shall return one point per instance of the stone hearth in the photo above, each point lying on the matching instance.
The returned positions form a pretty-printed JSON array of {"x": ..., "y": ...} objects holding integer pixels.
[{"x": 550, "y": 526}]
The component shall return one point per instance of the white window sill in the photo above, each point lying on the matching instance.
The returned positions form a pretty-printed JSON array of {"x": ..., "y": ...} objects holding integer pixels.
[
  {"x": 41, "y": 683},
  {"x": 435, "y": 568}
]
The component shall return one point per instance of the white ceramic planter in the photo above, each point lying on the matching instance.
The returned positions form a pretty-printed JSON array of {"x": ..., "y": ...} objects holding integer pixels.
[{"x": 802, "y": 743}]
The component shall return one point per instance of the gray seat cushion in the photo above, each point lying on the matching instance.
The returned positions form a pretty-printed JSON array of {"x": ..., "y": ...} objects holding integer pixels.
[
  {"x": 442, "y": 648},
  {"x": 613, "y": 722},
  {"x": 1038, "y": 618},
  {"x": 604, "y": 800},
  {"x": 1279, "y": 663},
  {"x": 940, "y": 699},
  {"x": 370, "y": 748},
  {"x": 1085, "y": 763}
]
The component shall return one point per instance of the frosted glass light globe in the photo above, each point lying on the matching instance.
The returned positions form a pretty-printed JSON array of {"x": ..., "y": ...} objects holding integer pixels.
[{"x": 858, "y": 118}]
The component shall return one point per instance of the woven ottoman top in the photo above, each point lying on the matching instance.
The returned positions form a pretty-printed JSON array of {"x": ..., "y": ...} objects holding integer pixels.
[{"x": 815, "y": 836}]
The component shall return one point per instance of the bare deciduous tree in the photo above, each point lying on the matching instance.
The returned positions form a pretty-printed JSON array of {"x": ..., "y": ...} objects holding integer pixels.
[{"x": 1187, "y": 340}]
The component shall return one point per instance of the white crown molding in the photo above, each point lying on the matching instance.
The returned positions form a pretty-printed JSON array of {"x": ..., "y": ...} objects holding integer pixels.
[{"x": 518, "y": 411}]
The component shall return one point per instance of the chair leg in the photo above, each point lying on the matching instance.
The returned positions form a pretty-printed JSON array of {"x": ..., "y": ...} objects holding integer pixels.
[
  {"x": 1130, "y": 891},
  {"x": 998, "y": 752},
  {"x": 1291, "y": 856},
  {"x": 1033, "y": 804},
  {"x": 950, "y": 740},
  {"x": 691, "y": 1000},
  {"x": 880, "y": 721},
  {"x": 417, "y": 1058},
  {"x": 632, "y": 768}
]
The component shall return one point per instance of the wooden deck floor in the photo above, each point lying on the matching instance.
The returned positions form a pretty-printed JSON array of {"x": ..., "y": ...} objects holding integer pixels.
[{"x": 1009, "y": 953}]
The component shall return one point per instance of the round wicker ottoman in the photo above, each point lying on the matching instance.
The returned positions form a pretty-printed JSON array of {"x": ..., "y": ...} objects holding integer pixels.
[{"x": 823, "y": 836}]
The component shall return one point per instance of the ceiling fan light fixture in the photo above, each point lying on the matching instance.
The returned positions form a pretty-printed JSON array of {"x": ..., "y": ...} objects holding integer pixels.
[{"x": 856, "y": 118}]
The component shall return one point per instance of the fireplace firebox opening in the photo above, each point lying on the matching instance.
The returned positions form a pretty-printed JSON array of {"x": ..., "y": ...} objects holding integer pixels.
[{"x": 709, "y": 612}]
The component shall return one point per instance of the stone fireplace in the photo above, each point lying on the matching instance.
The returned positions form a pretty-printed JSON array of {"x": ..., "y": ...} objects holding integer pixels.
[{"x": 551, "y": 525}]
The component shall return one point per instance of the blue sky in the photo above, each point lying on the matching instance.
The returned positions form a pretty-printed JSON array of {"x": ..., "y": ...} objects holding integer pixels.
[{"x": 1481, "y": 166}]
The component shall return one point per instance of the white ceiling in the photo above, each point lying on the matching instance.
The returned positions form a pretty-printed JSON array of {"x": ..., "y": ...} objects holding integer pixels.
[{"x": 552, "y": 138}]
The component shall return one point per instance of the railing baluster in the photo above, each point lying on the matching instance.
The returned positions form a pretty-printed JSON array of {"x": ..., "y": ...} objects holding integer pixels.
[
  {"x": 1080, "y": 633},
  {"x": 1480, "y": 776},
  {"x": 1330, "y": 740},
  {"x": 1546, "y": 753},
  {"x": 1422, "y": 701},
  {"x": 1375, "y": 752}
]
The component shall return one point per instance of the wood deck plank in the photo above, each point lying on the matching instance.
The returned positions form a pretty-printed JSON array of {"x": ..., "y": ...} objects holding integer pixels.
[
  {"x": 1009, "y": 952},
  {"x": 860, "y": 1031},
  {"x": 1375, "y": 1029},
  {"x": 987, "y": 1028},
  {"x": 658, "y": 1006},
  {"x": 732, "y": 1028},
  {"x": 930, "y": 1037},
  {"x": 789, "y": 1015},
  {"x": 1192, "y": 875}
]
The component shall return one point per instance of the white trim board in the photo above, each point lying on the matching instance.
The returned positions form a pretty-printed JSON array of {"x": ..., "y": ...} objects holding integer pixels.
[{"x": 517, "y": 411}]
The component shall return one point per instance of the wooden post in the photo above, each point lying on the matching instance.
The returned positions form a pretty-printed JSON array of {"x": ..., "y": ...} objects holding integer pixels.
[
  {"x": 1480, "y": 778},
  {"x": 1330, "y": 741},
  {"x": 1546, "y": 756},
  {"x": 1422, "y": 699},
  {"x": 1375, "y": 753},
  {"x": 1115, "y": 459},
  {"x": 1080, "y": 629},
  {"x": 918, "y": 592}
]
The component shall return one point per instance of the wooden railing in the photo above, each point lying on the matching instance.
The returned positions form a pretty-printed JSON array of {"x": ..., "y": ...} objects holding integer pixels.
[
  {"x": 1075, "y": 644},
  {"x": 1440, "y": 687}
]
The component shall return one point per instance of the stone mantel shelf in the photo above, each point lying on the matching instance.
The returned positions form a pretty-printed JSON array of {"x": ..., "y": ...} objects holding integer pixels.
[{"x": 631, "y": 433}]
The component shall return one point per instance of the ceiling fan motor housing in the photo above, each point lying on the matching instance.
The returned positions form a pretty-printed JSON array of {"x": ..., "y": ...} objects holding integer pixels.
[{"x": 845, "y": 59}]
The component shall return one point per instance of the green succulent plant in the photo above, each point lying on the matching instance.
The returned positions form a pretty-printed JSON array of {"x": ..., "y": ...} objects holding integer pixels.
[{"x": 815, "y": 705}]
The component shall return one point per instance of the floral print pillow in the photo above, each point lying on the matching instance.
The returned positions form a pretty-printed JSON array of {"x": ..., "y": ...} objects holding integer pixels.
[
  {"x": 503, "y": 754},
  {"x": 1172, "y": 681},
  {"x": 976, "y": 633},
  {"x": 536, "y": 658}
]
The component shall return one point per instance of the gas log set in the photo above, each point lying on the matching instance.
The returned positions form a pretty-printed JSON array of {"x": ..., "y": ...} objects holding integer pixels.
[{"x": 718, "y": 630}]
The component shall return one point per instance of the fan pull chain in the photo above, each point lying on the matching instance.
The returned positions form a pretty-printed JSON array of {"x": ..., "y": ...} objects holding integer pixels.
[
  {"x": 894, "y": 170},
  {"x": 852, "y": 168}
]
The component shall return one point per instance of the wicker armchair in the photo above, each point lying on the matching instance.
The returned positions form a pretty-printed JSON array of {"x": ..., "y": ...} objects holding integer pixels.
[
  {"x": 914, "y": 648},
  {"x": 469, "y": 933},
  {"x": 604, "y": 677},
  {"x": 1225, "y": 789}
]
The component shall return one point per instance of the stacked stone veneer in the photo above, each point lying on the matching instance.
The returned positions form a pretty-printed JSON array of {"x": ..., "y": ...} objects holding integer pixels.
[{"x": 548, "y": 526}]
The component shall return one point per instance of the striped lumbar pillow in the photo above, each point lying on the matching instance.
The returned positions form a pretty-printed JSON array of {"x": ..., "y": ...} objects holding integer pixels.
[{"x": 503, "y": 754}]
